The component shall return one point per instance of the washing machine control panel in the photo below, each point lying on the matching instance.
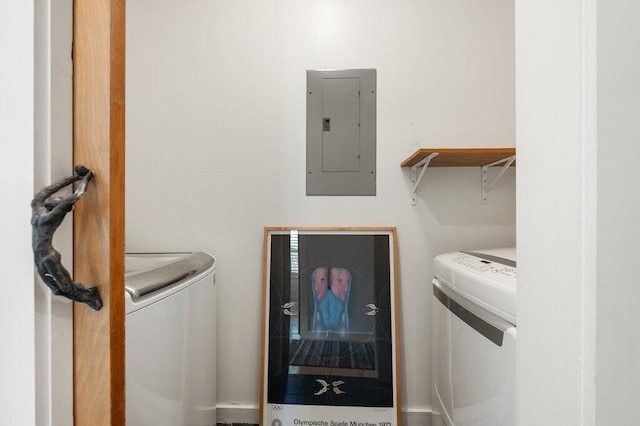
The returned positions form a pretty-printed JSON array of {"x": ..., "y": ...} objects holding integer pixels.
[
  {"x": 483, "y": 266},
  {"x": 486, "y": 278}
]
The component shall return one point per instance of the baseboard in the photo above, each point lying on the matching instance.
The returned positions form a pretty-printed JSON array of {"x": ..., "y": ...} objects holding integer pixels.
[
  {"x": 416, "y": 418},
  {"x": 247, "y": 414},
  {"x": 236, "y": 413}
]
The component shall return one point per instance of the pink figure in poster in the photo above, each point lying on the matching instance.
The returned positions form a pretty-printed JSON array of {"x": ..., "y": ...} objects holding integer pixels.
[
  {"x": 339, "y": 280},
  {"x": 320, "y": 279}
]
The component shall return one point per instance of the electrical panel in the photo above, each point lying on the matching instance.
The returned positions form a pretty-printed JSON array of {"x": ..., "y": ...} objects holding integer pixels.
[{"x": 341, "y": 132}]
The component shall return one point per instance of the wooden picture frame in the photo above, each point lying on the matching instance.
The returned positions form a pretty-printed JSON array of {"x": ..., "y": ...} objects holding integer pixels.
[{"x": 330, "y": 327}]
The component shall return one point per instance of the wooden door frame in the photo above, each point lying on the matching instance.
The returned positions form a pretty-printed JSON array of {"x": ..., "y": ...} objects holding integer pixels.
[{"x": 98, "y": 143}]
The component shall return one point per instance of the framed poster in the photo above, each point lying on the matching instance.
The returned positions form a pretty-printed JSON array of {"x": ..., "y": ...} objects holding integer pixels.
[{"x": 330, "y": 320}]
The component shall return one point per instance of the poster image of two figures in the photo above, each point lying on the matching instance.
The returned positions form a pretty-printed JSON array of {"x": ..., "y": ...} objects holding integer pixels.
[{"x": 329, "y": 329}]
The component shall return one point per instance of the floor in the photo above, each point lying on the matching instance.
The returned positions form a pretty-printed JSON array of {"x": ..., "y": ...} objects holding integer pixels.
[{"x": 236, "y": 424}]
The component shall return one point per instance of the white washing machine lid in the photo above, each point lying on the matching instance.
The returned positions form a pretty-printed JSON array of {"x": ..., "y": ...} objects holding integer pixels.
[
  {"x": 486, "y": 278},
  {"x": 150, "y": 277}
]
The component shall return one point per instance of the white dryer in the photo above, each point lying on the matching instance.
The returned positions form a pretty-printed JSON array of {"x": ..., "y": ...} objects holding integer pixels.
[
  {"x": 474, "y": 338},
  {"x": 170, "y": 306}
]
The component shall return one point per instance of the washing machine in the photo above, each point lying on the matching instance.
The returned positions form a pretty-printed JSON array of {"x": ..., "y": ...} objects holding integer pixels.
[
  {"x": 474, "y": 338},
  {"x": 170, "y": 325}
]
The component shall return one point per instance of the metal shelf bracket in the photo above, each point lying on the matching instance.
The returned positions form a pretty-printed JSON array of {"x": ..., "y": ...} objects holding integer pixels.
[
  {"x": 486, "y": 186},
  {"x": 424, "y": 163}
]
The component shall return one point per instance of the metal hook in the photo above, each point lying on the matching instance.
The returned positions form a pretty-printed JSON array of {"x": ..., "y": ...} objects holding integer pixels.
[{"x": 48, "y": 212}]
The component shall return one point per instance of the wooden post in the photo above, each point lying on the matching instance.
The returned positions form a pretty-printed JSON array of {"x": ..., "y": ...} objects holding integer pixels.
[{"x": 99, "y": 100}]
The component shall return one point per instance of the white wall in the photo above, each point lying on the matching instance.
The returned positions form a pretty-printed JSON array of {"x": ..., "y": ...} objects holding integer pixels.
[
  {"x": 216, "y": 144},
  {"x": 555, "y": 206},
  {"x": 53, "y": 153},
  {"x": 35, "y": 129},
  {"x": 578, "y": 99},
  {"x": 618, "y": 340},
  {"x": 16, "y": 174}
]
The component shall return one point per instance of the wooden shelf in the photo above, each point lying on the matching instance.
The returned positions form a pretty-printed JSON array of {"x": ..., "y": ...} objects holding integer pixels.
[{"x": 460, "y": 157}]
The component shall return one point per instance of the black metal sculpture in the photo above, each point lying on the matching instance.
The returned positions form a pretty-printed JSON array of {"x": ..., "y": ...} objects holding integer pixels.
[{"x": 48, "y": 214}]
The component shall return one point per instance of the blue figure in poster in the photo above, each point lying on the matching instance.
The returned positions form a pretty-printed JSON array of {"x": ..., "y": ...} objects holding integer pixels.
[{"x": 331, "y": 288}]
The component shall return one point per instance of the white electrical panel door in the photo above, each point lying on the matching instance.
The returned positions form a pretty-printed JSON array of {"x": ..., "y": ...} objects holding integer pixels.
[{"x": 341, "y": 125}]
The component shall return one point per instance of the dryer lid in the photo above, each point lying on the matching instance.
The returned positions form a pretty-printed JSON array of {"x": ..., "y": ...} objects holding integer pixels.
[
  {"x": 484, "y": 277},
  {"x": 148, "y": 273}
]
